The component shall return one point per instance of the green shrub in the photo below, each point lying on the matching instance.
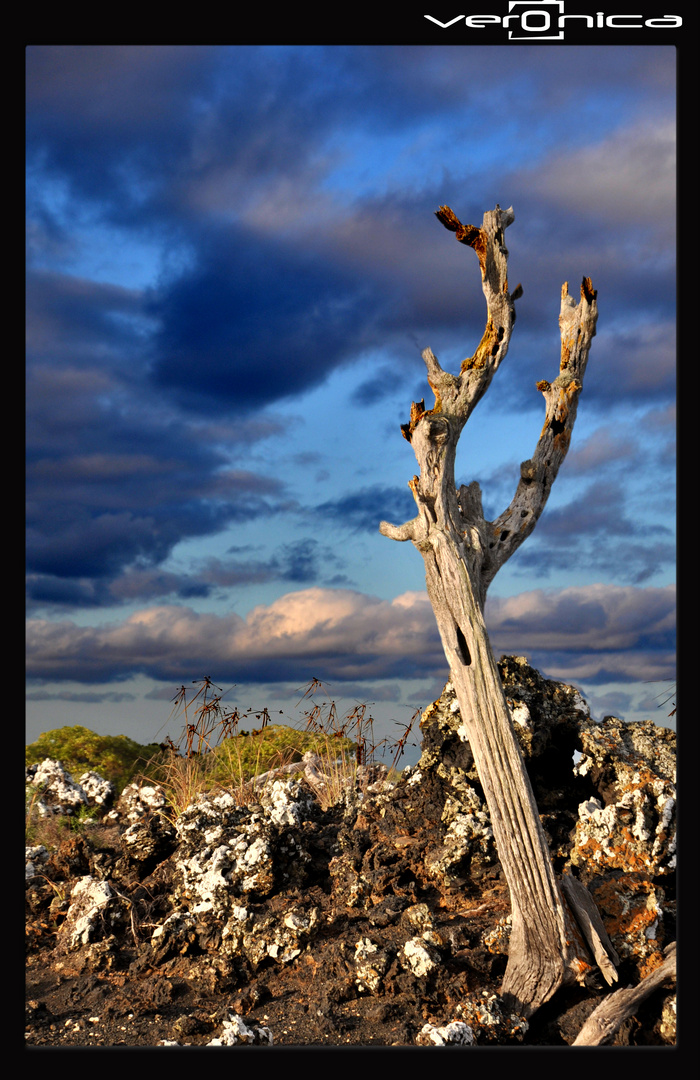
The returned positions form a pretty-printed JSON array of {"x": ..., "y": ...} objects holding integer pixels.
[
  {"x": 238, "y": 759},
  {"x": 115, "y": 757}
]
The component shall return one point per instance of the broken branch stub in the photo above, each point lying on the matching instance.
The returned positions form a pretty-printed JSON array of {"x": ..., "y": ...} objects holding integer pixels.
[{"x": 462, "y": 553}]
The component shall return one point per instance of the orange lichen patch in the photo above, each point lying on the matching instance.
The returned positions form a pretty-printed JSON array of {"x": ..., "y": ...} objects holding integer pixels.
[
  {"x": 417, "y": 410},
  {"x": 437, "y": 407},
  {"x": 646, "y": 778},
  {"x": 629, "y": 908},
  {"x": 567, "y": 347},
  {"x": 448, "y": 218},
  {"x": 488, "y": 347},
  {"x": 477, "y": 241},
  {"x": 651, "y": 963},
  {"x": 633, "y": 860},
  {"x": 580, "y": 969},
  {"x": 577, "y": 947},
  {"x": 590, "y": 849},
  {"x": 560, "y": 413},
  {"x": 623, "y": 856},
  {"x": 562, "y": 440},
  {"x": 471, "y": 235},
  {"x": 587, "y": 291}
]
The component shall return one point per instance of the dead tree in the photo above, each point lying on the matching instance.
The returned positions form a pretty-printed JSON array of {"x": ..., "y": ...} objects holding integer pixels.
[{"x": 462, "y": 554}]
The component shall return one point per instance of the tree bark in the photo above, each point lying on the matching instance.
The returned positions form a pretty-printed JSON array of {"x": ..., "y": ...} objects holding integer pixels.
[{"x": 462, "y": 553}]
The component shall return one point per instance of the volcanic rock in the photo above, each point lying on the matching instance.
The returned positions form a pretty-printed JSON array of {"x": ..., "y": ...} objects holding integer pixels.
[{"x": 382, "y": 919}]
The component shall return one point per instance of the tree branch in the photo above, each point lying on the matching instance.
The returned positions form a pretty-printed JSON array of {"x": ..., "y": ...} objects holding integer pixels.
[
  {"x": 456, "y": 396},
  {"x": 577, "y": 328},
  {"x": 605, "y": 1021},
  {"x": 592, "y": 927}
]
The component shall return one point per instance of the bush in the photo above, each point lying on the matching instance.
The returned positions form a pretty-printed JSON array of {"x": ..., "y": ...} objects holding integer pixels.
[
  {"x": 236, "y": 760},
  {"x": 115, "y": 757},
  {"x": 245, "y": 755}
]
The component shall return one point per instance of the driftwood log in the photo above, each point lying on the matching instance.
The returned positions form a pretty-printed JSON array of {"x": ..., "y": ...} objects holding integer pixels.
[{"x": 462, "y": 552}]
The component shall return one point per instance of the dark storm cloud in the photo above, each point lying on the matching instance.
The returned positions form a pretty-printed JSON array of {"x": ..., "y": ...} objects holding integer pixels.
[
  {"x": 116, "y": 477},
  {"x": 364, "y": 510},
  {"x": 67, "y": 539},
  {"x": 255, "y": 323},
  {"x": 255, "y": 318},
  {"x": 300, "y": 562},
  {"x": 109, "y": 486},
  {"x": 110, "y": 120},
  {"x": 72, "y": 319},
  {"x": 277, "y": 261}
]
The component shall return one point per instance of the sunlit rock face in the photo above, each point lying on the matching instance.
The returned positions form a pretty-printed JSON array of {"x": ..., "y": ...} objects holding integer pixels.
[
  {"x": 606, "y": 795},
  {"x": 55, "y": 791},
  {"x": 631, "y": 824}
]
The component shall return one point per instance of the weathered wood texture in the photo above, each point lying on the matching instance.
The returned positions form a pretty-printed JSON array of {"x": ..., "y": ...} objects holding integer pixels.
[
  {"x": 591, "y": 926},
  {"x": 462, "y": 554},
  {"x": 606, "y": 1020}
]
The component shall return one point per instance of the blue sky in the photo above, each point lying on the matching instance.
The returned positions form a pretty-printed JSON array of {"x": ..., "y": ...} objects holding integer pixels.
[{"x": 233, "y": 265}]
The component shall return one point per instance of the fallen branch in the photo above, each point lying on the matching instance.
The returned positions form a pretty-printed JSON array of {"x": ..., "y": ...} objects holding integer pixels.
[{"x": 601, "y": 1025}]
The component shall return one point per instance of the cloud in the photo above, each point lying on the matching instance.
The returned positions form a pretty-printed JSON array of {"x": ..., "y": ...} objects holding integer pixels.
[
  {"x": 115, "y": 479},
  {"x": 82, "y": 697},
  {"x": 598, "y": 532},
  {"x": 275, "y": 206},
  {"x": 363, "y": 510},
  {"x": 341, "y": 635},
  {"x": 255, "y": 322},
  {"x": 81, "y": 528},
  {"x": 600, "y": 450},
  {"x": 642, "y": 359},
  {"x": 596, "y": 633},
  {"x": 301, "y": 561},
  {"x": 629, "y": 175}
]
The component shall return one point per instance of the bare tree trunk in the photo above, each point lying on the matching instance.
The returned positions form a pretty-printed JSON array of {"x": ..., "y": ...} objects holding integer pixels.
[{"x": 462, "y": 553}]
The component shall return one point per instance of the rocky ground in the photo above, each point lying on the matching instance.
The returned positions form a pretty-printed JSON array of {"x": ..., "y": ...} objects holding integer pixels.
[{"x": 381, "y": 921}]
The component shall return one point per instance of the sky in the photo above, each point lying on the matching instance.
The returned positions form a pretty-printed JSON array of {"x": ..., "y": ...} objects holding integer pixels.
[{"x": 233, "y": 265}]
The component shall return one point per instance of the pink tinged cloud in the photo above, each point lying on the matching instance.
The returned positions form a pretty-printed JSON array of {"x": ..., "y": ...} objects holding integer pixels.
[{"x": 349, "y": 635}]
